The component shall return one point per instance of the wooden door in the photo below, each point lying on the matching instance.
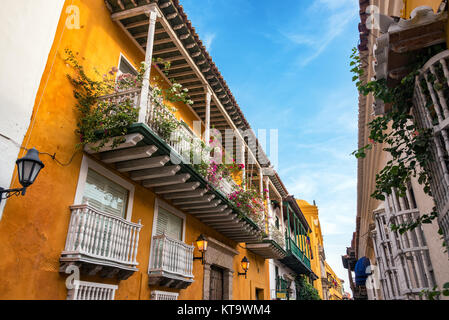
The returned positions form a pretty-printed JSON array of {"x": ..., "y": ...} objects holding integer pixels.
[{"x": 216, "y": 283}]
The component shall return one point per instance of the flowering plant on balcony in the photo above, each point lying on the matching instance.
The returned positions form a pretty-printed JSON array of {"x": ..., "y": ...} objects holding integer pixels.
[
  {"x": 276, "y": 235},
  {"x": 98, "y": 120},
  {"x": 251, "y": 204},
  {"x": 102, "y": 119}
]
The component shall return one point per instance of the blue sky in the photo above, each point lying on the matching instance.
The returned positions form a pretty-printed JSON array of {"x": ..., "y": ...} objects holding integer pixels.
[{"x": 287, "y": 64}]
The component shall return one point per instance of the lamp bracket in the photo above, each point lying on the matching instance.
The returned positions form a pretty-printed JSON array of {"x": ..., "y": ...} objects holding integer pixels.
[{"x": 8, "y": 193}]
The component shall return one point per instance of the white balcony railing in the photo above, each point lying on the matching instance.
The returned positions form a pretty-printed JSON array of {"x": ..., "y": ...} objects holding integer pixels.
[
  {"x": 431, "y": 111},
  {"x": 102, "y": 237},
  {"x": 82, "y": 290},
  {"x": 227, "y": 187},
  {"x": 157, "y": 118},
  {"x": 164, "y": 295},
  {"x": 171, "y": 256}
]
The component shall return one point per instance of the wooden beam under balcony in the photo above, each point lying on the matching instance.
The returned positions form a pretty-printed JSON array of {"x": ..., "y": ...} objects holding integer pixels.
[
  {"x": 219, "y": 214},
  {"x": 177, "y": 188},
  {"x": 130, "y": 140},
  {"x": 210, "y": 210},
  {"x": 166, "y": 50},
  {"x": 166, "y": 181},
  {"x": 211, "y": 204},
  {"x": 182, "y": 195},
  {"x": 141, "y": 164},
  {"x": 127, "y": 154},
  {"x": 204, "y": 199},
  {"x": 162, "y": 41},
  {"x": 181, "y": 74},
  {"x": 155, "y": 173},
  {"x": 227, "y": 218}
]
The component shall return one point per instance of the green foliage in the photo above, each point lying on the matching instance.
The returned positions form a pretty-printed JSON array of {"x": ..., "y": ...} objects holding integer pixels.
[
  {"x": 98, "y": 121},
  {"x": 306, "y": 291},
  {"x": 408, "y": 145}
]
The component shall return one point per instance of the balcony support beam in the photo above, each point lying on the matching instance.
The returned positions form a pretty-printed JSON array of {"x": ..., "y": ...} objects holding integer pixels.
[
  {"x": 204, "y": 199},
  {"x": 141, "y": 164},
  {"x": 159, "y": 182},
  {"x": 128, "y": 154},
  {"x": 177, "y": 188}
]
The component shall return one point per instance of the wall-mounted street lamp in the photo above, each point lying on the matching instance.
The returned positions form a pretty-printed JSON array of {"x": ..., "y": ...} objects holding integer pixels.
[
  {"x": 245, "y": 266},
  {"x": 201, "y": 243},
  {"x": 28, "y": 168}
]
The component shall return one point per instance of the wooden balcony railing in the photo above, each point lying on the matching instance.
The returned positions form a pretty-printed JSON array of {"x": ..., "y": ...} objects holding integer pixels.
[
  {"x": 100, "y": 238},
  {"x": 431, "y": 111},
  {"x": 171, "y": 257},
  {"x": 296, "y": 251},
  {"x": 83, "y": 290}
]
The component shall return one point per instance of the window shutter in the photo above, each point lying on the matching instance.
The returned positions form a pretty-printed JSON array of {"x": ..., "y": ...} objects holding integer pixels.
[
  {"x": 105, "y": 195},
  {"x": 169, "y": 224}
]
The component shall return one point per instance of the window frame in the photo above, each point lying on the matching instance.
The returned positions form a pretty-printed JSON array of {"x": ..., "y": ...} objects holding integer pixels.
[
  {"x": 122, "y": 56},
  {"x": 160, "y": 203},
  {"x": 88, "y": 163}
]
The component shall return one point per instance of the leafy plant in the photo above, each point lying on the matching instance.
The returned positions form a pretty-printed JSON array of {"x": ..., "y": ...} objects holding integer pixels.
[
  {"x": 408, "y": 145},
  {"x": 305, "y": 291},
  {"x": 99, "y": 121}
]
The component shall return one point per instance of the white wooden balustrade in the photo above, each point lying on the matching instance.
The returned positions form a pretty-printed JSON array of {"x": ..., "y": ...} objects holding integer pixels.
[
  {"x": 431, "y": 111},
  {"x": 164, "y": 295},
  {"x": 102, "y": 237},
  {"x": 171, "y": 256},
  {"x": 157, "y": 119},
  {"x": 82, "y": 290},
  {"x": 226, "y": 186}
]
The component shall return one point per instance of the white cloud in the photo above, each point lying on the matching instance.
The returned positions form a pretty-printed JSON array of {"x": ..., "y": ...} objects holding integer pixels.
[
  {"x": 208, "y": 40},
  {"x": 338, "y": 12}
]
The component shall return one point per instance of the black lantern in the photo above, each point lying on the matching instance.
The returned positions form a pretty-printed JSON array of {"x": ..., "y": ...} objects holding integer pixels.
[
  {"x": 28, "y": 168},
  {"x": 201, "y": 242},
  {"x": 245, "y": 266}
]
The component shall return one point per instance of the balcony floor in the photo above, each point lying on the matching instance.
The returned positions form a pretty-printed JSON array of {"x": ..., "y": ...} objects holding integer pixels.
[{"x": 149, "y": 160}]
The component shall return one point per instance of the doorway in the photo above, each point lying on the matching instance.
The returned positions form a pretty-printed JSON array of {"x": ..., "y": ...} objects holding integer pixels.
[{"x": 216, "y": 283}]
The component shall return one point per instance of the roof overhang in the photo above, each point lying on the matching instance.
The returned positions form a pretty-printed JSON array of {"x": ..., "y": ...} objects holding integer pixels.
[
  {"x": 396, "y": 48},
  {"x": 176, "y": 41}
]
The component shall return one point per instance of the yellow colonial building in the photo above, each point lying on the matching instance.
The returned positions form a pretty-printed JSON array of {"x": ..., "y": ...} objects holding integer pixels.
[
  {"x": 328, "y": 285},
  {"x": 120, "y": 210}
]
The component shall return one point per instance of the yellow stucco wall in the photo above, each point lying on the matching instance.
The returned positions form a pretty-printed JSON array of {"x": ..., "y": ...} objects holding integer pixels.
[
  {"x": 316, "y": 239},
  {"x": 410, "y": 5},
  {"x": 33, "y": 228},
  {"x": 335, "y": 293}
]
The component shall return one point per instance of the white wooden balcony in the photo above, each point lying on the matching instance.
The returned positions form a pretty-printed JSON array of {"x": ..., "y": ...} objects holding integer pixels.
[
  {"x": 171, "y": 263},
  {"x": 161, "y": 163},
  {"x": 82, "y": 290},
  {"x": 227, "y": 187},
  {"x": 431, "y": 111},
  {"x": 271, "y": 247},
  {"x": 101, "y": 243}
]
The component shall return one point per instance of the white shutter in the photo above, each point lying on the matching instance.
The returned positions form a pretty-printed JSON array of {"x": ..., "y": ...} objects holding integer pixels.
[
  {"x": 169, "y": 224},
  {"x": 105, "y": 195}
]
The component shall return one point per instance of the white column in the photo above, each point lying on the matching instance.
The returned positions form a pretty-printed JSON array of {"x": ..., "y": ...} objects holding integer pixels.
[
  {"x": 148, "y": 61},
  {"x": 207, "y": 120},
  {"x": 261, "y": 182},
  {"x": 269, "y": 216},
  {"x": 244, "y": 168}
]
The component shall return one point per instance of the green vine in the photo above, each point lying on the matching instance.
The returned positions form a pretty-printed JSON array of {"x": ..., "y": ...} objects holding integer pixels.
[
  {"x": 408, "y": 145},
  {"x": 99, "y": 121}
]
